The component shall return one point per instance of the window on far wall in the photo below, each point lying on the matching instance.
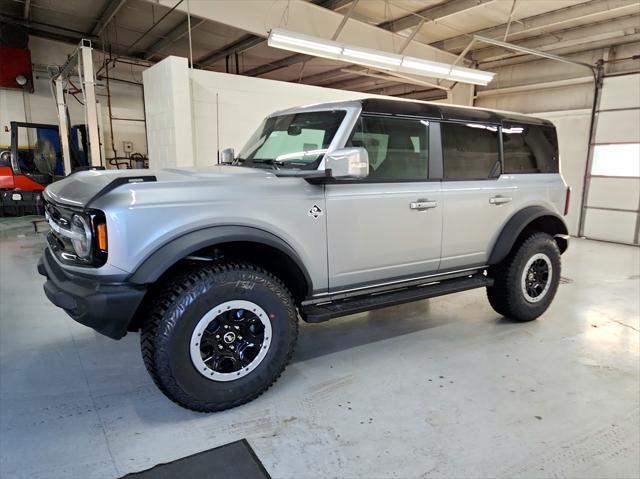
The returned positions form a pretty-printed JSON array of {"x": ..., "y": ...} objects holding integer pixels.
[{"x": 621, "y": 159}]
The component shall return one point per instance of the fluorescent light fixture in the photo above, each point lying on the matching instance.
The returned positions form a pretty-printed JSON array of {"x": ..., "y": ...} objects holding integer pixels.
[
  {"x": 297, "y": 42},
  {"x": 424, "y": 66},
  {"x": 319, "y": 47},
  {"x": 385, "y": 60},
  {"x": 311, "y": 45}
]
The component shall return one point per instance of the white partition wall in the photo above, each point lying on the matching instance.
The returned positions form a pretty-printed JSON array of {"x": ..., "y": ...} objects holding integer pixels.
[
  {"x": 192, "y": 114},
  {"x": 613, "y": 184},
  {"x": 228, "y": 108}
]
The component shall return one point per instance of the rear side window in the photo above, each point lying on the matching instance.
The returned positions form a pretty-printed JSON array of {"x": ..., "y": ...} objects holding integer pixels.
[
  {"x": 470, "y": 151},
  {"x": 530, "y": 149},
  {"x": 398, "y": 148}
]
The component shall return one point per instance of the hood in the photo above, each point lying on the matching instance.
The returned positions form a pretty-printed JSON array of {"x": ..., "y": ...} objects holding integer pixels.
[{"x": 79, "y": 189}]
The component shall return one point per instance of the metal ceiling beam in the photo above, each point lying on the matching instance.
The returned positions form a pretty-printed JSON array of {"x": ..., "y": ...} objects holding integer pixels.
[
  {"x": 110, "y": 11},
  {"x": 529, "y": 51},
  {"x": 547, "y": 22},
  {"x": 278, "y": 64},
  {"x": 27, "y": 9},
  {"x": 333, "y": 4},
  {"x": 250, "y": 41},
  {"x": 240, "y": 45},
  {"x": 394, "y": 78},
  {"x": 572, "y": 37},
  {"x": 335, "y": 74},
  {"x": 585, "y": 51},
  {"x": 174, "y": 35},
  {"x": 433, "y": 13},
  {"x": 438, "y": 12},
  {"x": 258, "y": 17},
  {"x": 46, "y": 29}
]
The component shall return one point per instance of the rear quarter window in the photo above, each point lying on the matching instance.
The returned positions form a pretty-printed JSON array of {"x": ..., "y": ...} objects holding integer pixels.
[{"x": 530, "y": 149}]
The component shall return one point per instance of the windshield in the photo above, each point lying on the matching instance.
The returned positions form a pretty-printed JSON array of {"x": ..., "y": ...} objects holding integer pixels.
[{"x": 298, "y": 140}]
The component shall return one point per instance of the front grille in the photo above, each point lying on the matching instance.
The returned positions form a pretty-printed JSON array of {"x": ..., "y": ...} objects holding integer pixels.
[
  {"x": 62, "y": 217},
  {"x": 61, "y": 245}
]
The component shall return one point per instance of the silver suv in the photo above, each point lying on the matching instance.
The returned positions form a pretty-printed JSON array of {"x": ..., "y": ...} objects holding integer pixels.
[{"x": 329, "y": 210}]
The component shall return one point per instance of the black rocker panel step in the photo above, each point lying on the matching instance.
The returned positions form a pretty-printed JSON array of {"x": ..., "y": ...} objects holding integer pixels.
[{"x": 316, "y": 313}]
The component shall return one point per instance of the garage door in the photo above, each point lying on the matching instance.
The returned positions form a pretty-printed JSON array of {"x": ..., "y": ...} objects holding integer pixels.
[{"x": 613, "y": 182}]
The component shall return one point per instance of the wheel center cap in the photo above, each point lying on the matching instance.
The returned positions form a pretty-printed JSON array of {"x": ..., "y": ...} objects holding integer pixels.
[{"x": 229, "y": 337}]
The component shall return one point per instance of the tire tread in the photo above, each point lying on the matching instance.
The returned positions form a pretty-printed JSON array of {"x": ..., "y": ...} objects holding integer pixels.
[{"x": 163, "y": 300}]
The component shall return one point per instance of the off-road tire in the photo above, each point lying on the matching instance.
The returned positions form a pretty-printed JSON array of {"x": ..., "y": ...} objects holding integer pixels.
[
  {"x": 506, "y": 296},
  {"x": 178, "y": 305}
]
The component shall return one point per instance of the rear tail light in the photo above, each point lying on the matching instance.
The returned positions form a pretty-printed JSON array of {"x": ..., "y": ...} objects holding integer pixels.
[{"x": 567, "y": 201}]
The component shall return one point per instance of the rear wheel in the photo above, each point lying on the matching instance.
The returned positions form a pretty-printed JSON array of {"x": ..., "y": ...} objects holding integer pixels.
[
  {"x": 219, "y": 336},
  {"x": 526, "y": 282}
]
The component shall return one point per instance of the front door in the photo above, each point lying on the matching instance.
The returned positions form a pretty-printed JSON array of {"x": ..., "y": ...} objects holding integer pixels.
[{"x": 388, "y": 227}]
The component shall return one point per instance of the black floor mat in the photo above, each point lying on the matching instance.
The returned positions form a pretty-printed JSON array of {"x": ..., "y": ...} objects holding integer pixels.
[{"x": 232, "y": 460}]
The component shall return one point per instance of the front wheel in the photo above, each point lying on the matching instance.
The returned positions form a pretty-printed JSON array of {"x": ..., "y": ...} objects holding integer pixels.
[
  {"x": 219, "y": 336},
  {"x": 526, "y": 282}
]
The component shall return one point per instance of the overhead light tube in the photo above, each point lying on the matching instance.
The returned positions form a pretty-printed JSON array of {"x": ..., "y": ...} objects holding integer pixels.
[{"x": 379, "y": 59}]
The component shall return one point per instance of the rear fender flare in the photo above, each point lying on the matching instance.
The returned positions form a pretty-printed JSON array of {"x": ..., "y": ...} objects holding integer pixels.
[{"x": 517, "y": 224}]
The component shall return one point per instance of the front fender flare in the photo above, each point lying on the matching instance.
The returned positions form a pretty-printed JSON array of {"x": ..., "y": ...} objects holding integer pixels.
[
  {"x": 516, "y": 225},
  {"x": 175, "y": 250}
]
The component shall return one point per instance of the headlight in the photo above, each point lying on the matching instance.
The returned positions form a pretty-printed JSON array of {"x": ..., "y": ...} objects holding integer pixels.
[{"x": 82, "y": 237}]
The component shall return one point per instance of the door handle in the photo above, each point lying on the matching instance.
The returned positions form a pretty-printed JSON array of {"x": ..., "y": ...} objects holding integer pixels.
[
  {"x": 423, "y": 205},
  {"x": 500, "y": 200}
]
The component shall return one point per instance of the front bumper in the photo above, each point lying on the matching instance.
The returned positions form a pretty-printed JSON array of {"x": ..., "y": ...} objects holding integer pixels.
[{"x": 106, "y": 307}]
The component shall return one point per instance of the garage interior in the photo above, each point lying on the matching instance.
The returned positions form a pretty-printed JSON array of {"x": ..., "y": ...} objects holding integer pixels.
[{"x": 443, "y": 387}]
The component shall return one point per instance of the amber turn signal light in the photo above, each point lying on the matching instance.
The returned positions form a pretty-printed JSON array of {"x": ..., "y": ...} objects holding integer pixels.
[{"x": 102, "y": 237}]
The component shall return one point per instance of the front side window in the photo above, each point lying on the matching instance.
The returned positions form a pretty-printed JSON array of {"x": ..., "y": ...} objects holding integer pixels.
[
  {"x": 398, "y": 148},
  {"x": 470, "y": 151},
  {"x": 298, "y": 140},
  {"x": 530, "y": 149}
]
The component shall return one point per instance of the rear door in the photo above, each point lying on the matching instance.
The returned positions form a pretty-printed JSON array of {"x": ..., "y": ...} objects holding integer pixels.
[
  {"x": 388, "y": 227},
  {"x": 477, "y": 198}
]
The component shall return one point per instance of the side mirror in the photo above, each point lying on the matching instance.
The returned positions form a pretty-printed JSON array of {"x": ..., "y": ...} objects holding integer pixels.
[
  {"x": 348, "y": 163},
  {"x": 227, "y": 156}
]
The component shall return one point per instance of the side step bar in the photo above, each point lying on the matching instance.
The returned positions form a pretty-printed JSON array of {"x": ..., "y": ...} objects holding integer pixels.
[{"x": 317, "y": 313}]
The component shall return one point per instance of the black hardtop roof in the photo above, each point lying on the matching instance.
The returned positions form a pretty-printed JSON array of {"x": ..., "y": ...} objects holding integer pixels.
[{"x": 446, "y": 112}]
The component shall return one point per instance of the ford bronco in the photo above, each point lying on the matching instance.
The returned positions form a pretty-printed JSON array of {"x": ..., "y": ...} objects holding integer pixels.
[{"x": 329, "y": 210}]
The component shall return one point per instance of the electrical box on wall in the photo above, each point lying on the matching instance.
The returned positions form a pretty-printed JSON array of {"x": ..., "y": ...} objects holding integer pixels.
[
  {"x": 15, "y": 58},
  {"x": 15, "y": 69},
  {"x": 127, "y": 146}
]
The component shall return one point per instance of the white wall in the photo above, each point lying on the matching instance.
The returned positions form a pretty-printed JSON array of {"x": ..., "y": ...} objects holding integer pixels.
[
  {"x": 167, "y": 96},
  {"x": 228, "y": 108},
  {"x": 223, "y": 111},
  {"x": 39, "y": 107},
  {"x": 573, "y": 139}
]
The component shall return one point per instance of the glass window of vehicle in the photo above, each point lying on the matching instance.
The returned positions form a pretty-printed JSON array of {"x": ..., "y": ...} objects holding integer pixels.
[
  {"x": 470, "y": 151},
  {"x": 530, "y": 149},
  {"x": 298, "y": 140},
  {"x": 398, "y": 148}
]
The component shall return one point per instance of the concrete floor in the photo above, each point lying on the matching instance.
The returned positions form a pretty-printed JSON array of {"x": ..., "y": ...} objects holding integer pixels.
[{"x": 443, "y": 387}]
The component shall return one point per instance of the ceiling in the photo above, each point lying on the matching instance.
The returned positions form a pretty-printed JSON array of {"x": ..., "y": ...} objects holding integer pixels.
[{"x": 148, "y": 31}]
